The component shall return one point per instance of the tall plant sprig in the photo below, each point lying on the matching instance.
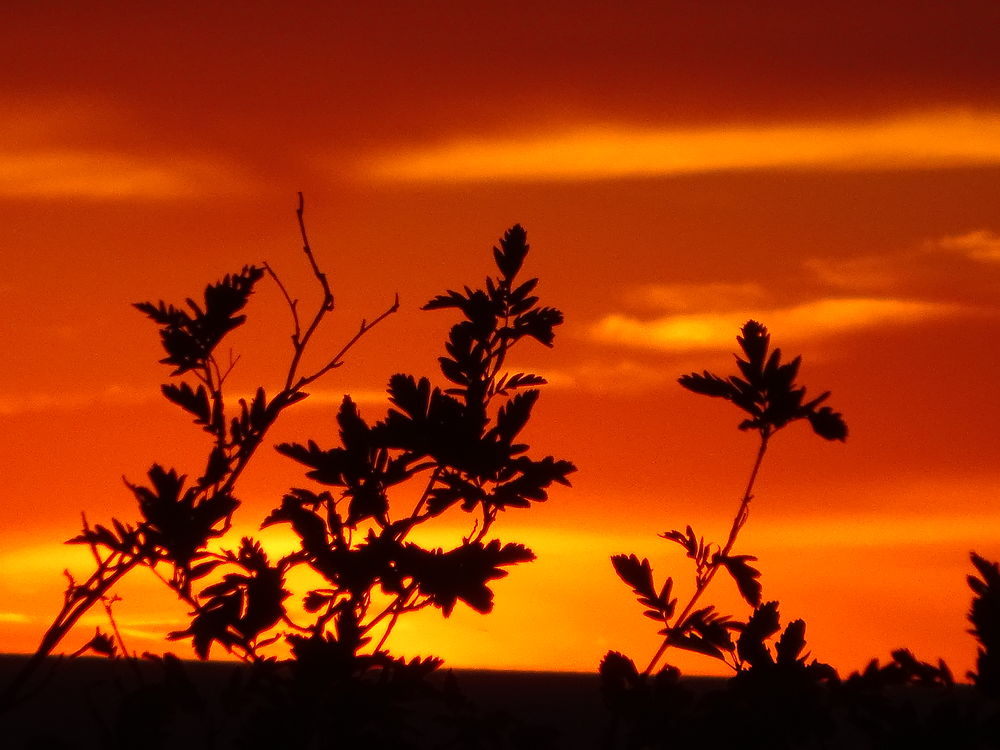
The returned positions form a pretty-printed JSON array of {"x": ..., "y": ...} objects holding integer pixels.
[
  {"x": 458, "y": 444},
  {"x": 178, "y": 518},
  {"x": 765, "y": 390}
]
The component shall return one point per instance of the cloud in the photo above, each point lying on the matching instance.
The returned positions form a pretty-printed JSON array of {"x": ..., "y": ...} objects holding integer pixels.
[
  {"x": 109, "y": 175},
  {"x": 42, "y": 401},
  {"x": 685, "y": 297},
  {"x": 624, "y": 376},
  {"x": 869, "y": 273},
  {"x": 824, "y": 317},
  {"x": 928, "y": 140},
  {"x": 950, "y": 267},
  {"x": 981, "y": 244}
]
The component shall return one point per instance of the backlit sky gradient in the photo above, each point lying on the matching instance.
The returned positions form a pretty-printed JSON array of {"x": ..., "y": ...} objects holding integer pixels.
[{"x": 679, "y": 168}]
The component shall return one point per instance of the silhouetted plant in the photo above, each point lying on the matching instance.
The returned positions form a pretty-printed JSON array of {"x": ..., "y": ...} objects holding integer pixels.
[
  {"x": 178, "y": 517},
  {"x": 778, "y": 697},
  {"x": 460, "y": 443},
  {"x": 765, "y": 390},
  {"x": 985, "y": 618}
]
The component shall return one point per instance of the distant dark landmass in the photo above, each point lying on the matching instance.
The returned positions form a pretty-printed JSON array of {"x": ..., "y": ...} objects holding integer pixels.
[{"x": 69, "y": 708}]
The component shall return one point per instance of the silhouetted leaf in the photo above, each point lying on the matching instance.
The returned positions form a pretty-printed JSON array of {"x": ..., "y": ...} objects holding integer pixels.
[
  {"x": 449, "y": 299},
  {"x": 763, "y": 623},
  {"x": 685, "y": 539},
  {"x": 660, "y": 606},
  {"x": 309, "y": 527},
  {"x": 708, "y": 384},
  {"x": 194, "y": 401},
  {"x": 518, "y": 380},
  {"x": 190, "y": 338},
  {"x": 514, "y": 415},
  {"x": 828, "y": 424},
  {"x": 538, "y": 323},
  {"x": 754, "y": 342},
  {"x": 462, "y": 573},
  {"x": 695, "y": 643},
  {"x": 217, "y": 469},
  {"x": 619, "y": 679},
  {"x": 984, "y": 616},
  {"x": 745, "y": 576},
  {"x": 101, "y": 643},
  {"x": 638, "y": 575},
  {"x": 453, "y": 487},
  {"x": 530, "y": 482},
  {"x": 767, "y": 391},
  {"x": 712, "y": 627},
  {"x": 513, "y": 248},
  {"x": 792, "y": 641}
]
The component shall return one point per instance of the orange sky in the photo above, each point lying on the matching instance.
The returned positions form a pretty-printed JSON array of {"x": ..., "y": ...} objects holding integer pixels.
[{"x": 679, "y": 167}]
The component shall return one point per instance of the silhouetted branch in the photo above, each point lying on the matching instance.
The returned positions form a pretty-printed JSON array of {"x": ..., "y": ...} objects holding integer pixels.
[{"x": 189, "y": 337}]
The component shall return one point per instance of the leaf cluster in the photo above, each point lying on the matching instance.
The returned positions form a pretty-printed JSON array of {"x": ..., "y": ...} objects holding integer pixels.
[
  {"x": 703, "y": 630},
  {"x": 765, "y": 389},
  {"x": 178, "y": 518},
  {"x": 461, "y": 443},
  {"x": 190, "y": 337},
  {"x": 984, "y": 615}
]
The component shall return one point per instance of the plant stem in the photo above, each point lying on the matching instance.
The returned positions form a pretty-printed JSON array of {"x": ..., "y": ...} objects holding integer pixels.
[
  {"x": 738, "y": 522},
  {"x": 64, "y": 622}
]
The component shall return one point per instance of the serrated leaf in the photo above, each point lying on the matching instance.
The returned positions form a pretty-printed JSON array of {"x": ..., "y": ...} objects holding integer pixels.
[
  {"x": 792, "y": 641},
  {"x": 828, "y": 424},
  {"x": 745, "y": 576},
  {"x": 637, "y": 574}
]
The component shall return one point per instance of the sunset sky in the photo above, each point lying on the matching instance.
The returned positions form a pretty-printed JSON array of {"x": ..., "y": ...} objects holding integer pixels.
[{"x": 680, "y": 167}]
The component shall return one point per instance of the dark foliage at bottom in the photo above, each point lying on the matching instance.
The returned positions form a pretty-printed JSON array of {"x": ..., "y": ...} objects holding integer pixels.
[{"x": 783, "y": 702}]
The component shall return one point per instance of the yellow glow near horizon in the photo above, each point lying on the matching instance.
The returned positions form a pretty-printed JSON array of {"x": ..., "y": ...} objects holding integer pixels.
[{"x": 938, "y": 139}]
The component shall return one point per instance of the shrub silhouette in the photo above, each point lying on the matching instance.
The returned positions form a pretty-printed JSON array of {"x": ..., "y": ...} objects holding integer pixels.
[
  {"x": 778, "y": 697},
  {"x": 456, "y": 449},
  {"x": 985, "y": 618},
  {"x": 765, "y": 390},
  {"x": 461, "y": 444}
]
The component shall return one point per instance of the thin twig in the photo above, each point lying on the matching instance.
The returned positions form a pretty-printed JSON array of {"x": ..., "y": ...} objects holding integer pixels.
[
  {"x": 338, "y": 358},
  {"x": 327, "y": 294}
]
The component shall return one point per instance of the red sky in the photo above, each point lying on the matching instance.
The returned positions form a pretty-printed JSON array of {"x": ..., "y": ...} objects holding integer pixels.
[{"x": 679, "y": 167}]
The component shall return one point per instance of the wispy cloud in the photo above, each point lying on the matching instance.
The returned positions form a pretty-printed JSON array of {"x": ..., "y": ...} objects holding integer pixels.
[
  {"x": 109, "y": 175},
  {"x": 868, "y": 273},
  {"x": 824, "y": 317},
  {"x": 940, "y": 267},
  {"x": 39, "y": 401},
  {"x": 700, "y": 297},
  {"x": 936, "y": 139},
  {"x": 56, "y": 149},
  {"x": 981, "y": 244},
  {"x": 623, "y": 376}
]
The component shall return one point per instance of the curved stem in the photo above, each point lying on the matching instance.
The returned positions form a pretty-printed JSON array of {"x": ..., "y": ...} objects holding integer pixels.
[{"x": 738, "y": 522}]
